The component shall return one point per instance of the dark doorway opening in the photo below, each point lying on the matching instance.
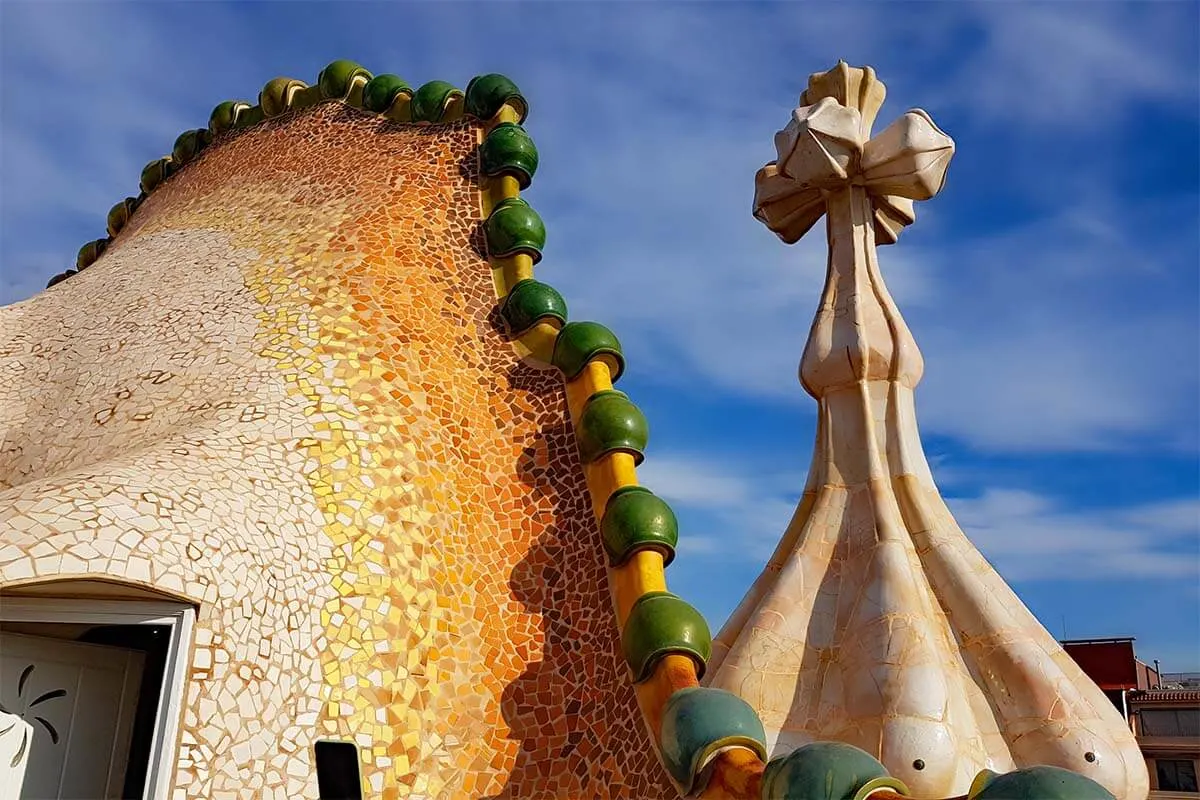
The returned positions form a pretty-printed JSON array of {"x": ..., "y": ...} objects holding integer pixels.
[{"x": 152, "y": 640}]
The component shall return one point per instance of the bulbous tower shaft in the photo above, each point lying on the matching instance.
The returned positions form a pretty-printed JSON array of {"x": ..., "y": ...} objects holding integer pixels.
[{"x": 876, "y": 622}]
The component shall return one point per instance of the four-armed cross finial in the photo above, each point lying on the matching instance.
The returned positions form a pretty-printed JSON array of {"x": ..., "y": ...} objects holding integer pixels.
[
  {"x": 828, "y": 164},
  {"x": 828, "y": 145},
  {"x": 877, "y": 623}
]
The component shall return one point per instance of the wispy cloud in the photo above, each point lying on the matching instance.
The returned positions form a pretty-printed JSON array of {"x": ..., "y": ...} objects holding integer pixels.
[
  {"x": 1049, "y": 65},
  {"x": 743, "y": 514},
  {"x": 1027, "y": 535},
  {"x": 1060, "y": 317},
  {"x": 1062, "y": 333},
  {"x": 1060, "y": 320}
]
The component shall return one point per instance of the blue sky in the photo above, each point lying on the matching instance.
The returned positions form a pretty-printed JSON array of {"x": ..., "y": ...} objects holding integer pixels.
[{"x": 1052, "y": 286}]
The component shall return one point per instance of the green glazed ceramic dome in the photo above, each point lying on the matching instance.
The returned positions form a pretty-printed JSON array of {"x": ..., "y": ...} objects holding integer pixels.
[
  {"x": 699, "y": 722},
  {"x": 508, "y": 150},
  {"x": 580, "y": 342},
  {"x": 513, "y": 227},
  {"x": 611, "y": 423},
  {"x": 381, "y": 91},
  {"x": 339, "y": 77},
  {"x": 430, "y": 101},
  {"x": 487, "y": 94},
  {"x": 249, "y": 117},
  {"x": 826, "y": 771},
  {"x": 189, "y": 144},
  {"x": 635, "y": 519},
  {"x": 1040, "y": 783},
  {"x": 118, "y": 215},
  {"x": 662, "y": 624},
  {"x": 89, "y": 253},
  {"x": 224, "y": 117},
  {"x": 278, "y": 95},
  {"x": 154, "y": 173},
  {"x": 529, "y": 302}
]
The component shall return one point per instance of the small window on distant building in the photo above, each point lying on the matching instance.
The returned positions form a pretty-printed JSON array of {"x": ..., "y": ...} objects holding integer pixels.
[
  {"x": 1171, "y": 722},
  {"x": 338, "y": 775},
  {"x": 1176, "y": 776}
]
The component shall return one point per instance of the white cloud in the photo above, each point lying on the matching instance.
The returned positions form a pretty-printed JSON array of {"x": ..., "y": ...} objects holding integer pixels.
[
  {"x": 1034, "y": 338},
  {"x": 1026, "y": 535},
  {"x": 742, "y": 514},
  {"x": 1179, "y": 516},
  {"x": 1068, "y": 334},
  {"x": 1031, "y": 537},
  {"x": 694, "y": 483},
  {"x": 1065, "y": 333},
  {"x": 1049, "y": 65},
  {"x": 1026, "y": 348}
]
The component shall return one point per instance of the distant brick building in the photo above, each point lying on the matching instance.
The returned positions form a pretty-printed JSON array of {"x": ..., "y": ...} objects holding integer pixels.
[
  {"x": 1163, "y": 710},
  {"x": 1167, "y": 724}
]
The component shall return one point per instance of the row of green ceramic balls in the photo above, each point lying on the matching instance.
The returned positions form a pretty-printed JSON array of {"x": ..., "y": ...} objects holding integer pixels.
[{"x": 340, "y": 80}]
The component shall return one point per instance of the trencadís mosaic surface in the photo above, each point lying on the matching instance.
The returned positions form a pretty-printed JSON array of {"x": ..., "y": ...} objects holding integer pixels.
[{"x": 283, "y": 392}]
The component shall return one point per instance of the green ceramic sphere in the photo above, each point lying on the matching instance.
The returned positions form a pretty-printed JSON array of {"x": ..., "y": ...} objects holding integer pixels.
[
  {"x": 635, "y": 519},
  {"x": 826, "y": 771},
  {"x": 698, "y": 722},
  {"x": 487, "y": 94},
  {"x": 338, "y": 77},
  {"x": 611, "y": 423},
  {"x": 225, "y": 115},
  {"x": 661, "y": 624},
  {"x": 513, "y": 227},
  {"x": 59, "y": 278},
  {"x": 118, "y": 215},
  {"x": 154, "y": 173},
  {"x": 529, "y": 302},
  {"x": 277, "y": 95},
  {"x": 580, "y": 342},
  {"x": 381, "y": 91},
  {"x": 89, "y": 253},
  {"x": 430, "y": 101},
  {"x": 189, "y": 144},
  {"x": 1042, "y": 783},
  {"x": 508, "y": 150}
]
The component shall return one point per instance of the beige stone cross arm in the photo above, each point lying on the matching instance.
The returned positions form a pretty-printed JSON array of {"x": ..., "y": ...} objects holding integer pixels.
[{"x": 827, "y": 148}]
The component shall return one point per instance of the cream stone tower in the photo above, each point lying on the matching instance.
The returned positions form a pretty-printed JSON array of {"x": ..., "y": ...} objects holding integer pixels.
[{"x": 876, "y": 622}]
